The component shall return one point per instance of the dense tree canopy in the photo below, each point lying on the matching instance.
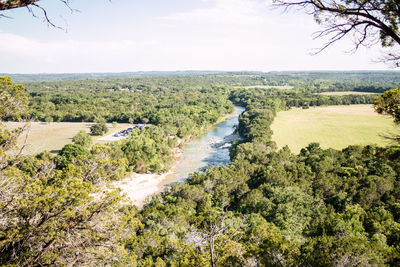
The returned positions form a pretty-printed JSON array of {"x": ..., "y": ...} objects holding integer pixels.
[
  {"x": 52, "y": 214},
  {"x": 269, "y": 207}
]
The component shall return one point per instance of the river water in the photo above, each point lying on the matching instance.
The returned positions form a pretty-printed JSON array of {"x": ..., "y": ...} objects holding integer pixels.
[{"x": 209, "y": 150}]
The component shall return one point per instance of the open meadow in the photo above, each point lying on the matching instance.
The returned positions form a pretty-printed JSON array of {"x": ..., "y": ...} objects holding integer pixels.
[
  {"x": 53, "y": 136},
  {"x": 331, "y": 126}
]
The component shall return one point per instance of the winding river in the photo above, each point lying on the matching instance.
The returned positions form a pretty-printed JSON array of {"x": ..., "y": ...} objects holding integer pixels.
[{"x": 209, "y": 150}]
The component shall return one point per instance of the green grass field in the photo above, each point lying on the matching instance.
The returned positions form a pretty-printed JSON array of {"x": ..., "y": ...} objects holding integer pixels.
[
  {"x": 53, "y": 136},
  {"x": 332, "y": 126}
]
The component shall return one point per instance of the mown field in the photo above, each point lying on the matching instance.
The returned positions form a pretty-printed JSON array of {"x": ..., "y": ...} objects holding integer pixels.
[
  {"x": 53, "y": 136},
  {"x": 332, "y": 126}
]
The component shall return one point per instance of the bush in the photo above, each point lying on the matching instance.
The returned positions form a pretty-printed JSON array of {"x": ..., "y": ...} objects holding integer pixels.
[
  {"x": 68, "y": 153},
  {"x": 98, "y": 129},
  {"x": 82, "y": 138}
]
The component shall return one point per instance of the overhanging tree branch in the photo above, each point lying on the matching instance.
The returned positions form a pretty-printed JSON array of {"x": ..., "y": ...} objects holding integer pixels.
[
  {"x": 11, "y": 4},
  {"x": 31, "y": 5},
  {"x": 369, "y": 21}
]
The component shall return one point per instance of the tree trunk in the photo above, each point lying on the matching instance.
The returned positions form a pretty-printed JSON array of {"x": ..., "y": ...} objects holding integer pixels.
[{"x": 212, "y": 252}]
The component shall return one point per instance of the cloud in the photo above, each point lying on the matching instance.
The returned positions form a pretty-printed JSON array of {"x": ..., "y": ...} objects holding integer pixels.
[
  {"x": 252, "y": 48},
  {"x": 21, "y": 53},
  {"x": 16, "y": 44},
  {"x": 223, "y": 12}
]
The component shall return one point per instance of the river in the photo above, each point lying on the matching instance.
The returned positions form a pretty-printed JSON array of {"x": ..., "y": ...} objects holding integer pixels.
[{"x": 210, "y": 149}]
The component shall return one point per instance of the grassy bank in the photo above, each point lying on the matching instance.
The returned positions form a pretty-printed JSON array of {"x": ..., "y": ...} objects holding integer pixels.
[{"x": 331, "y": 126}]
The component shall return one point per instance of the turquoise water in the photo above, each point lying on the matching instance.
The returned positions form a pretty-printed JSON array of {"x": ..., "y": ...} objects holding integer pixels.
[{"x": 210, "y": 150}]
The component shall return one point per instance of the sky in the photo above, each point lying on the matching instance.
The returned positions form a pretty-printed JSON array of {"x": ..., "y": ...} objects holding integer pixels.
[{"x": 147, "y": 35}]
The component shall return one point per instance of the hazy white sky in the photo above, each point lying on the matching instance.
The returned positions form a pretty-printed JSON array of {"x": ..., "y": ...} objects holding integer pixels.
[{"x": 137, "y": 35}]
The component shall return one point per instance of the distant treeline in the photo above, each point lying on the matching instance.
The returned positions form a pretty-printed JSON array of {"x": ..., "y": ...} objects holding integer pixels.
[
  {"x": 132, "y": 102},
  {"x": 299, "y": 98},
  {"x": 144, "y": 99}
]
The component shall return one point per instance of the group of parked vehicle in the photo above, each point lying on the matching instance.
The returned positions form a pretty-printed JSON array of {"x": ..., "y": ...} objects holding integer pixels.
[{"x": 129, "y": 130}]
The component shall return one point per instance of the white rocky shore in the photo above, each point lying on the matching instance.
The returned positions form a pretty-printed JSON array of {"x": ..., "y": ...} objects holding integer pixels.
[{"x": 138, "y": 187}]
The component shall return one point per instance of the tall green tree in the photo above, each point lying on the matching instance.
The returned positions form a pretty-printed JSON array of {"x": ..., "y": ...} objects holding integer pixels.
[
  {"x": 13, "y": 105},
  {"x": 82, "y": 138},
  {"x": 389, "y": 103}
]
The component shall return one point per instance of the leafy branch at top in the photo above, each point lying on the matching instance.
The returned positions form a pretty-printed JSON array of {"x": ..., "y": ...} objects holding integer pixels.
[
  {"x": 33, "y": 6},
  {"x": 367, "y": 21}
]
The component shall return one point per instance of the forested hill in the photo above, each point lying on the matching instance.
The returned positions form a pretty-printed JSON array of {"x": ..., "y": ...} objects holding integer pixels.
[
  {"x": 141, "y": 99},
  {"x": 243, "y": 78},
  {"x": 44, "y": 77},
  {"x": 269, "y": 207}
]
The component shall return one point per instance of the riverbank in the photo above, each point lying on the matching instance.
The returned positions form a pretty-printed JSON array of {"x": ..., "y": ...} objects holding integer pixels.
[{"x": 139, "y": 187}]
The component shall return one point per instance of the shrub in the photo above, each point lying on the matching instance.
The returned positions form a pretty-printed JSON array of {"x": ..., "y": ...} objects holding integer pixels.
[
  {"x": 98, "y": 129},
  {"x": 82, "y": 138}
]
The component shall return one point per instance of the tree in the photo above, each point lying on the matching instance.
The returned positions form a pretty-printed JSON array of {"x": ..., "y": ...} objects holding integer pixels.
[
  {"x": 71, "y": 151},
  {"x": 13, "y": 101},
  {"x": 68, "y": 153},
  {"x": 369, "y": 21},
  {"x": 99, "y": 128},
  {"x": 389, "y": 103},
  {"x": 82, "y": 138},
  {"x": 101, "y": 165},
  {"x": 52, "y": 216},
  {"x": 13, "y": 105},
  {"x": 11, "y": 4}
]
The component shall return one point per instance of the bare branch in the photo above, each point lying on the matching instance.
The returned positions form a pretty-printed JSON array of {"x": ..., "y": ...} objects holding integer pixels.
[
  {"x": 26, "y": 128},
  {"x": 369, "y": 21},
  {"x": 391, "y": 58},
  {"x": 46, "y": 18},
  {"x": 31, "y": 5}
]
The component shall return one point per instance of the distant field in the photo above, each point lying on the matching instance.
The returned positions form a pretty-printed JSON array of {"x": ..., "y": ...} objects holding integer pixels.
[
  {"x": 346, "y": 93},
  {"x": 53, "y": 136},
  {"x": 331, "y": 126}
]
